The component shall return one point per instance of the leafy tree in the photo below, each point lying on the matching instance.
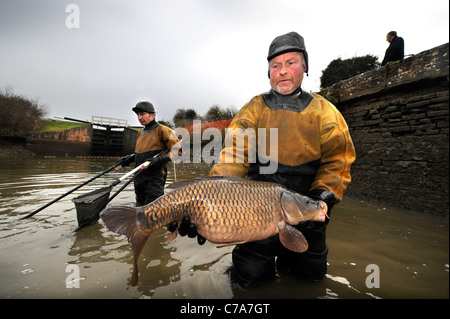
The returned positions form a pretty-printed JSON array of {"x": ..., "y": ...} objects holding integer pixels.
[
  {"x": 230, "y": 112},
  {"x": 216, "y": 113},
  {"x": 183, "y": 117},
  {"x": 166, "y": 123},
  {"x": 19, "y": 116},
  {"x": 339, "y": 69}
]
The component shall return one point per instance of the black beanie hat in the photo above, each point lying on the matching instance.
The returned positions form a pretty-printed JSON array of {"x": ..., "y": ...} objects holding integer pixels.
[
  {"x": 288, "y": 42},
  {"x": 144, "y": 107}
]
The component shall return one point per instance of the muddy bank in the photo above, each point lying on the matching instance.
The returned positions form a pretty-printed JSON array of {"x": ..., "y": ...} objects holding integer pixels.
[{"x": 14, "y": 146}]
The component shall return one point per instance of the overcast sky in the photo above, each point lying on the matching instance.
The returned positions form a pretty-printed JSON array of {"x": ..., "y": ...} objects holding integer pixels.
[{"x": 188, "y": 53}]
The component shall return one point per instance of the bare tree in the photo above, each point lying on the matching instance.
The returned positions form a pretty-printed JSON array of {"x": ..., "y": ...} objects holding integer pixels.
[{"x": 19, "y": 115}]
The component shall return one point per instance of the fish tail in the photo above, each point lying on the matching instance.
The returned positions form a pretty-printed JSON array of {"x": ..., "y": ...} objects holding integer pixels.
[{"x": 123, "y": 220}]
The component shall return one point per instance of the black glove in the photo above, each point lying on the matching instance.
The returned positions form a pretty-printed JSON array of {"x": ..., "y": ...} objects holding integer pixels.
[
  {"x": 186, "y": 228},
  {"x": 126, "y": 160},
  {"x": 159, "y": 160},
  {"x": 324, "y": 195}
]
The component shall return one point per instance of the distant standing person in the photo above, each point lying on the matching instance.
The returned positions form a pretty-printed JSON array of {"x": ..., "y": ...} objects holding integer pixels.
[
  {"x": 396, "y": 49},
  {"x": 151, "y": 140}
]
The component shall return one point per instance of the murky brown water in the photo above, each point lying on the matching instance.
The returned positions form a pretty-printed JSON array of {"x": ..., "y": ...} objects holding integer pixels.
[{"x": 40, "y": 255}]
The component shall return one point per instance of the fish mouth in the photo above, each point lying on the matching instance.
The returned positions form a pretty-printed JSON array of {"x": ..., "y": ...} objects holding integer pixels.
[
  {"x": 323, "y": 209},
  {"x": 319, "y": 213},
  {"x": 297, "y": 208}
]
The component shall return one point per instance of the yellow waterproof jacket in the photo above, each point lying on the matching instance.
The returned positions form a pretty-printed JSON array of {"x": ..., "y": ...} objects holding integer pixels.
[
  {"x": 313, "y": 150},
  {"x": 151, "y": 140}
]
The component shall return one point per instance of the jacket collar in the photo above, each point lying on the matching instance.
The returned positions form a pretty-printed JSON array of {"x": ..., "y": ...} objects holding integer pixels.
[{"x": 296, "y": 101}]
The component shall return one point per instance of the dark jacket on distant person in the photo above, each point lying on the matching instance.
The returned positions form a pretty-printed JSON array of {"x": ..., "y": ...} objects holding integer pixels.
[
  {"x": 151, "y": 140},
  {"x": 395, "y": 51}
]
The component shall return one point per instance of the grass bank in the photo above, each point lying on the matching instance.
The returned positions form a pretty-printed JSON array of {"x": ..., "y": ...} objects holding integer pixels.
[{"x": 56, "y": 125}]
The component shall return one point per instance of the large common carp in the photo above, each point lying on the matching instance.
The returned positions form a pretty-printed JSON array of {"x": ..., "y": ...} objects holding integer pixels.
[{"x": 226, "y": 210}]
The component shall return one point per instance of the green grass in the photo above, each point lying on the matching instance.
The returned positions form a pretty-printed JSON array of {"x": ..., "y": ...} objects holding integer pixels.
[{"x": 53, "y": 125}]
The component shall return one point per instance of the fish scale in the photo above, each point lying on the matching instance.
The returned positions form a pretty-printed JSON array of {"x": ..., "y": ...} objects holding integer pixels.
[
  {"x": 225, "y": 210},
  {"x": 212, "y": 214}
]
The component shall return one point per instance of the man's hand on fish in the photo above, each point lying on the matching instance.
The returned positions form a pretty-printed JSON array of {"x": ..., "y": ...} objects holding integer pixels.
[
  {"x": 322, "y": 216},
  {"x": 186, "y": 228}
]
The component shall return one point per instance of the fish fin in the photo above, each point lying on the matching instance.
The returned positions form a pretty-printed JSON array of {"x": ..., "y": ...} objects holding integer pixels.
[
  {"x": 185, "y": 182},
  {"x": 170, "y": 237},
  {"x": 292, "y": 238},
  {"x": 231, "y": 244},
  {"x": 122, "y": 220},
  {"x": 182, "y": 183}
]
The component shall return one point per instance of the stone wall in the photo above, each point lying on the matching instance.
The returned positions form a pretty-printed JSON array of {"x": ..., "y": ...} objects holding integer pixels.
[
  {"x": 81, "y": 134},
  {"x": 78, "y": 141},
  {"x": 398, "y": 116},
  {"x": 71, "y": 142}
]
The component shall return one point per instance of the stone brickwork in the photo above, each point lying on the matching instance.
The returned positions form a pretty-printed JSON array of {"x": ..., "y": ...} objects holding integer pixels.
[
  {"x": 399, "y": 121},
  {"x": 80, "y": 141},
  {"x": 81, "y": 134}
]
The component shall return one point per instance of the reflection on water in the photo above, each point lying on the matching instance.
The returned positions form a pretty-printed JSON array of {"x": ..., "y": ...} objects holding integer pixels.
[{"x": 410, "y": 250}]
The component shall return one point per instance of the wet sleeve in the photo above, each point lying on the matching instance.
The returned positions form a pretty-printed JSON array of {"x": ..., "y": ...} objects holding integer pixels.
[
  {"x": 172, "y": 142},
  {"x": 337, "y": 154},
  {"x": 234, "y": 157}
]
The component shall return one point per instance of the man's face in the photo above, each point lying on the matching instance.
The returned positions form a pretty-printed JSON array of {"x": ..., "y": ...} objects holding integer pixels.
[
  {"x": 389, "y": 38},
  {"x": 286, "y": 72},
  {"x": 145, "y": 117}
]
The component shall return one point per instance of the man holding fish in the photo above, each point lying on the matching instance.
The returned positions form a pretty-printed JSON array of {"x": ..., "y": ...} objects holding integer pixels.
[
  {"x": 315, "y": 152},
  {"x": 277, "y": 220}
]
